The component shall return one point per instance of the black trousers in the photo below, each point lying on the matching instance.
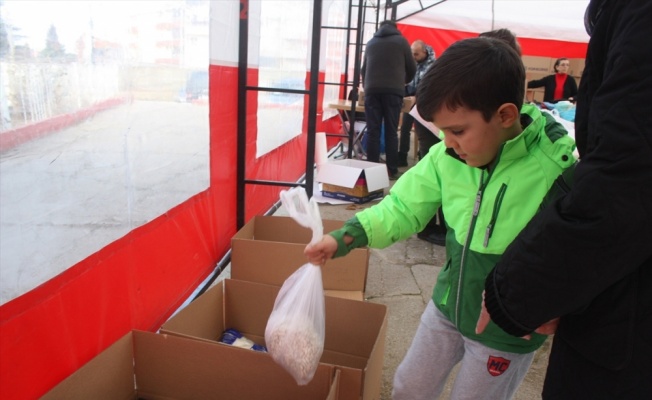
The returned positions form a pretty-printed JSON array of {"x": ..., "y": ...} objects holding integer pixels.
[
  {"x": 382, "y": 109},
  {"x": 570, "y": 376},
  {"x": 426, "y": 138},
  {"x": 404, "y": 139}
]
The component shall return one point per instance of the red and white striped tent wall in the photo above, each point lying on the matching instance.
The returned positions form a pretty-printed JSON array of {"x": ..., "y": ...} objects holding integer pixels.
[
  {"x": 139, "y": 280},
  {"x": 546, "y": 28}
]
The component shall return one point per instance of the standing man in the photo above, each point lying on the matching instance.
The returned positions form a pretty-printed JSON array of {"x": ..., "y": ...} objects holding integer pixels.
[
  {"x": 583, "y": 265},
  {"x": 424, "y": 56},
  {"x": 386, "y": 68}
]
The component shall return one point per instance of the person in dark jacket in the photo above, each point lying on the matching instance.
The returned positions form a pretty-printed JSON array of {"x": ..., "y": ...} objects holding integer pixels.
[
  {"x": 583, "y": 266},
  {"x": 387, "y": 67},
  {"x": 559, "y": 86},
  {"x": 424, "y": 56}
]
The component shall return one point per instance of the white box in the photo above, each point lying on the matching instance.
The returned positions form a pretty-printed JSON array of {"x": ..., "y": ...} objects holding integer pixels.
[{"x": 353, "y": 180}]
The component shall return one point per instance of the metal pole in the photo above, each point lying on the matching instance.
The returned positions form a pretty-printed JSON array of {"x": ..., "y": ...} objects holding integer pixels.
[
  {"x": 312, "y": 97},
  {"x": 243, "y": 38}
]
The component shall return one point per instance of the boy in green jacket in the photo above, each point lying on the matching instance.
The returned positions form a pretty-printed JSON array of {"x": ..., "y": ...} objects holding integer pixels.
[{"x": 496, "y": 163}]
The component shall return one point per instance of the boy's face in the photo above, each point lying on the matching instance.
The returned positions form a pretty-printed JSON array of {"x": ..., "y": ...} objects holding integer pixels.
[{"x": 475, "y": 140}]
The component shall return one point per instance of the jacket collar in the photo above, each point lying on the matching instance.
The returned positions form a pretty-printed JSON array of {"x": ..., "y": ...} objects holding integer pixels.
[{"x": 533, "y": 122}]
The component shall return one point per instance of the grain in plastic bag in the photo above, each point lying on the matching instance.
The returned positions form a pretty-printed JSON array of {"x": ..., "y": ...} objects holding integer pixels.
[{"x": 295, "y": 331}]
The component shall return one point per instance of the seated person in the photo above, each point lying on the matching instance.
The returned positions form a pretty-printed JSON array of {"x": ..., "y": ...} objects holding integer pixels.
[{"x": 559, "y": 86}]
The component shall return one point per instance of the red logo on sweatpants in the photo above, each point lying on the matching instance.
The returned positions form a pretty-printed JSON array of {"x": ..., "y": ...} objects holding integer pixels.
[{"x": 497, "y": 365}]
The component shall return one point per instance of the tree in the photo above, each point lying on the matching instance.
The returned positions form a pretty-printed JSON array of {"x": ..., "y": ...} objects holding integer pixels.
[
  {"x": 4, "y": 40},
  {"x": 53, "y": 49}
]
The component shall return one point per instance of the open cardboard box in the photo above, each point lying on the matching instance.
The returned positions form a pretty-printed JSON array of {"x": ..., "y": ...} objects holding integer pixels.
[
  {"x": 353, "y": 180},
  {"x": 354, "y": 340},
  {"x": 268, "y": 249},
  {"x": 145, "y": 365}
]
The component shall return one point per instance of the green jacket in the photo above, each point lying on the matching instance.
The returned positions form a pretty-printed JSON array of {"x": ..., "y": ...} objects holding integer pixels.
[{"x": 485, "y": 209}]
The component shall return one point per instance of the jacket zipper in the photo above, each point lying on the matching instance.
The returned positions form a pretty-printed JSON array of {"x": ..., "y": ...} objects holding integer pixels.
[
  {"x": 494, "y": 214},
  {"x": 467, "y": 242},
  {"x": 474, "y": 218}
]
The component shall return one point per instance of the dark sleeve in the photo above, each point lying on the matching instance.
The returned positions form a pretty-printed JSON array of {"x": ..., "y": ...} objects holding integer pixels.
[
  {"x": 586, "y": 242},
  {"x": 570, "y": 89},
  {"x": 410, "y": 64},
  {"x": 537, "y": 83}
]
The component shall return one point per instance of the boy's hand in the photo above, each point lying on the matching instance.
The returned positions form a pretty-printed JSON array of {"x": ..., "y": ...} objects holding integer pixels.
[
  {"x": 548, "y": 328},
  {"x": 483, "y": 319},
  {"x": 321, "y": 251}
]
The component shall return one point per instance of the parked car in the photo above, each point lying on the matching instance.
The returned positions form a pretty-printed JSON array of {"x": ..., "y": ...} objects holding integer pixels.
[{"x": 196, "y": 87}]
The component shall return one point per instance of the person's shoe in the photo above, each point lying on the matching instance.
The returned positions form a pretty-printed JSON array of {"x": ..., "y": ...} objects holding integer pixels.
[
  {"x": 437, "y": 238},
  {"x": 402, "y": 160},
  {"x": 395, "y": 176}
]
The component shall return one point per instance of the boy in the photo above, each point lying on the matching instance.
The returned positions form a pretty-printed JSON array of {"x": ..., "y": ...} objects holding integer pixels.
[{"x": 489, "y": 175}]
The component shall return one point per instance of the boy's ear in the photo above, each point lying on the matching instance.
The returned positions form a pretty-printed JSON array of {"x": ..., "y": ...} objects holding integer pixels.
[{"x": 509, "y": 114}]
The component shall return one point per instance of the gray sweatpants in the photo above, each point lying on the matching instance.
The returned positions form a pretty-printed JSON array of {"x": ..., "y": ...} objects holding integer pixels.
[{"x": 438, "y": 346}]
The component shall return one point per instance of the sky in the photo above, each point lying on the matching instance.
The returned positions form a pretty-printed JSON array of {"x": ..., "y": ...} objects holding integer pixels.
[{"x": 72, "y": 18}]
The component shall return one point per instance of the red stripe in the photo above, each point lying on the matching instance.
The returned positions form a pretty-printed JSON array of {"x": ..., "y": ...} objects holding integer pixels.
[
  {"x": 14, "y": 137},
  {"x": 137, "y": 281},
  {"x": 134, "y": 282},
  {"x": 440, "y": 39}
]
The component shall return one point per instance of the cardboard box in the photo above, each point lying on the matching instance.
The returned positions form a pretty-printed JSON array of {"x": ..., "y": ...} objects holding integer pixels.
[
  {"x": 408, "y": 103},
  {"x": 145, "y": 365},
  {"x": 343, "y": 175},
  {"x": 534, "y": 95},
  {"x": 576, "y": 67},
  {"x": 359, "y": 194},
  {"x": 354, "y": 341},
  {"x": 538, "y": 65},
  {"x": 268, "y": 249}
]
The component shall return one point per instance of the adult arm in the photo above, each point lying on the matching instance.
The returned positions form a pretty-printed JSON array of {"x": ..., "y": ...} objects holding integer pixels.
[
  {"x": 410, "y": 64},
  {"x": 537, "y": 83},
  {"x": 581, "y": 248}
]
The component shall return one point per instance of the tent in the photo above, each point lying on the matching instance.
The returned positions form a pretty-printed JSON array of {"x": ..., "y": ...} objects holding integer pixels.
[
  {"x": 140, "y": 279},
  {"x": 547, "y": 28}
]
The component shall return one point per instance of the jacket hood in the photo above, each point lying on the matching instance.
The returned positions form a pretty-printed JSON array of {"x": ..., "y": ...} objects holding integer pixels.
[
  {"x": 431, "y": 53},
  {"x": 386, "y": 30}
]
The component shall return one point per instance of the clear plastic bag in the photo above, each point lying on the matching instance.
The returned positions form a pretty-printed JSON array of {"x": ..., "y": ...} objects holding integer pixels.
[
  {"x": 294, "y": 335},
  {"x": 305, "y": 212},
  {"x": 295, "y": 331}
]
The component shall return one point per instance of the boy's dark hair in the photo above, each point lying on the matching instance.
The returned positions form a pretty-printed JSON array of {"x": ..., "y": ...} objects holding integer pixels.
[
  {"x": 387, "y": 22},
  {"x": 479, "y": 73},
  {"x": 506, "y": 35}
]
